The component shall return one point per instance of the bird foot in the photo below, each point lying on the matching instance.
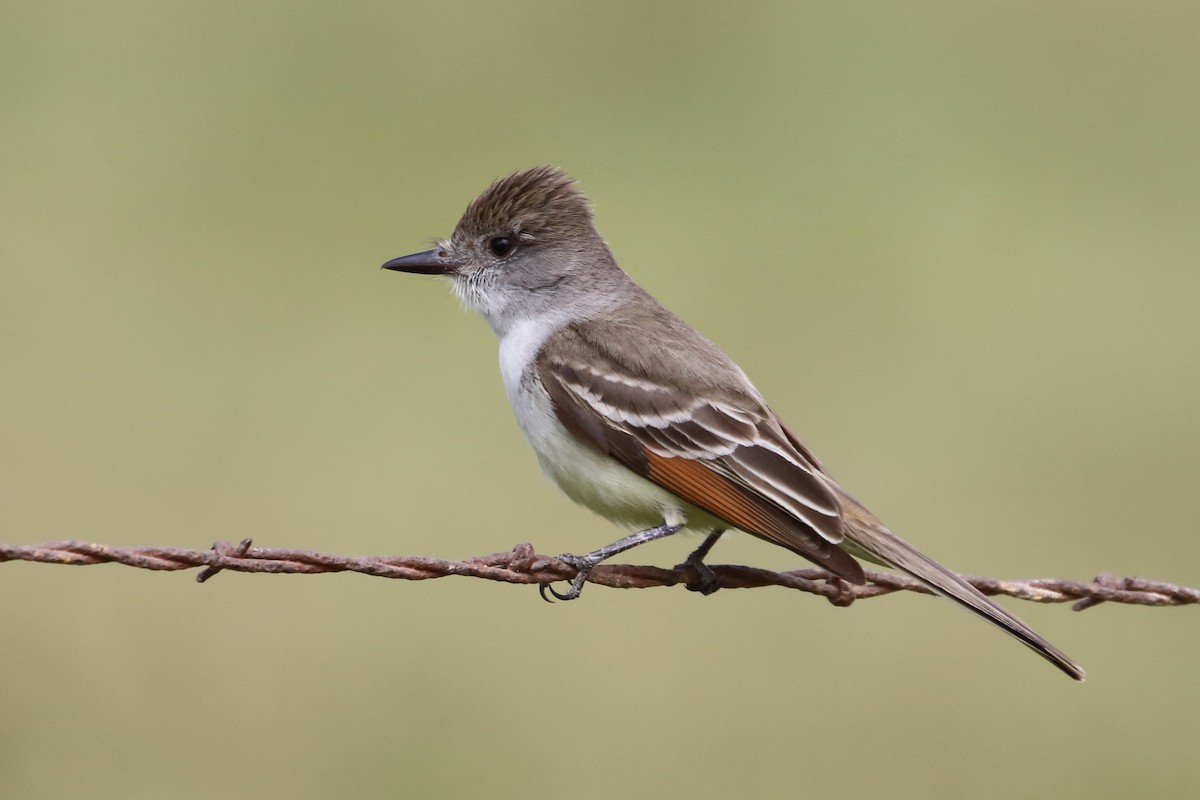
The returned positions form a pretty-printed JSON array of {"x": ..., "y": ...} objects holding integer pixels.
[
  {"x": 583, "y": 566},
  {"x": 699, "y": 577}
]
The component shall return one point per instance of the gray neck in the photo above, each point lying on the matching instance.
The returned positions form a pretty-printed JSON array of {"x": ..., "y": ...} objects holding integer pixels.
[{"x": 577, "y": 286}]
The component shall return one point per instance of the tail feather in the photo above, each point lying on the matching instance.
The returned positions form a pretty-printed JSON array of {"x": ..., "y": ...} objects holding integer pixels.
[{"x": 867, "y": 534}]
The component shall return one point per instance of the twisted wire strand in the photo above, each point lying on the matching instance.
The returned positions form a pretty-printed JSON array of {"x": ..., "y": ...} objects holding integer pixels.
[{"x": 523, "y": 565}]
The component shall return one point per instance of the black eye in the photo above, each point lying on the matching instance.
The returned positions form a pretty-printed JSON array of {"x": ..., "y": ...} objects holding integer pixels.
[{"x": 501, "y": 246}]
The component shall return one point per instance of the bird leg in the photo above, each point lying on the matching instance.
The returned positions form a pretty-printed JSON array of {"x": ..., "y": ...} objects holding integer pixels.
[
  {"x": 700, "y": 577},
  {"x": 585, "y": 563}
]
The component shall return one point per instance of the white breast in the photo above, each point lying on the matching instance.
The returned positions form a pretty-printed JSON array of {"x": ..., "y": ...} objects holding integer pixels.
[{"x": 587, "y": 477}]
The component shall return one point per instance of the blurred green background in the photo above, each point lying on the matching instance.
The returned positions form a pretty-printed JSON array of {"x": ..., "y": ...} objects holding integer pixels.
[{"x": 959, "y": 243}]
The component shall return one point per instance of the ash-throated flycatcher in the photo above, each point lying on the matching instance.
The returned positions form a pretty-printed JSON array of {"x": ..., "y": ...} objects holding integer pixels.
[{"x": 637, "y": 416}]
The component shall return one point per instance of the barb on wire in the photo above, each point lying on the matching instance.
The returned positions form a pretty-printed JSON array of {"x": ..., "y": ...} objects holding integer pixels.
[{"x": 523, "y": 565}]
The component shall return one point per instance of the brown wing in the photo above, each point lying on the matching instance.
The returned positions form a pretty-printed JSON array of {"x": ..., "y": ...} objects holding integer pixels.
[{"x": 729, "y": 458}]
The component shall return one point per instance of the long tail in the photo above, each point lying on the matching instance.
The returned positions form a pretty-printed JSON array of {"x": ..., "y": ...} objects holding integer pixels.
[{"x": 867, "y": 534}]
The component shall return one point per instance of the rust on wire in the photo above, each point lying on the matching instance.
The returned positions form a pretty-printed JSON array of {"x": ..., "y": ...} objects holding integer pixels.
[{"x": 523, "y": 565}]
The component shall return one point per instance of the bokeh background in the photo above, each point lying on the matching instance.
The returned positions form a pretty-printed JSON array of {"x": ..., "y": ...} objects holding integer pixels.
[{"x": 956, "y": 245}]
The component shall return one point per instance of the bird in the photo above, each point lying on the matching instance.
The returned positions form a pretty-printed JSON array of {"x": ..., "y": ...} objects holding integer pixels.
[{"x": 637, "y": 416}]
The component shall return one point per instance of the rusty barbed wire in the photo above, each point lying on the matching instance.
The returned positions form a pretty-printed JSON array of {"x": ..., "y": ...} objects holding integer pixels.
[{"x": 523, "y": 565}]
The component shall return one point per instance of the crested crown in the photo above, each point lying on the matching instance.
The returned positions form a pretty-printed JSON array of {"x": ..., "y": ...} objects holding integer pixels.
[{"x": 539, "y": 202}]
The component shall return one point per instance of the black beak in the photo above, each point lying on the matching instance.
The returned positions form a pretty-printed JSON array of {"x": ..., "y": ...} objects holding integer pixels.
[{"x": 429, "y": 262}]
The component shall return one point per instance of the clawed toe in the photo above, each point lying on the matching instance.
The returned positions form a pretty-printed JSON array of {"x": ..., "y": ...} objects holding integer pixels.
[
  {"x": 700, "y": 577},
  {"x": 583, "y": 567}
]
